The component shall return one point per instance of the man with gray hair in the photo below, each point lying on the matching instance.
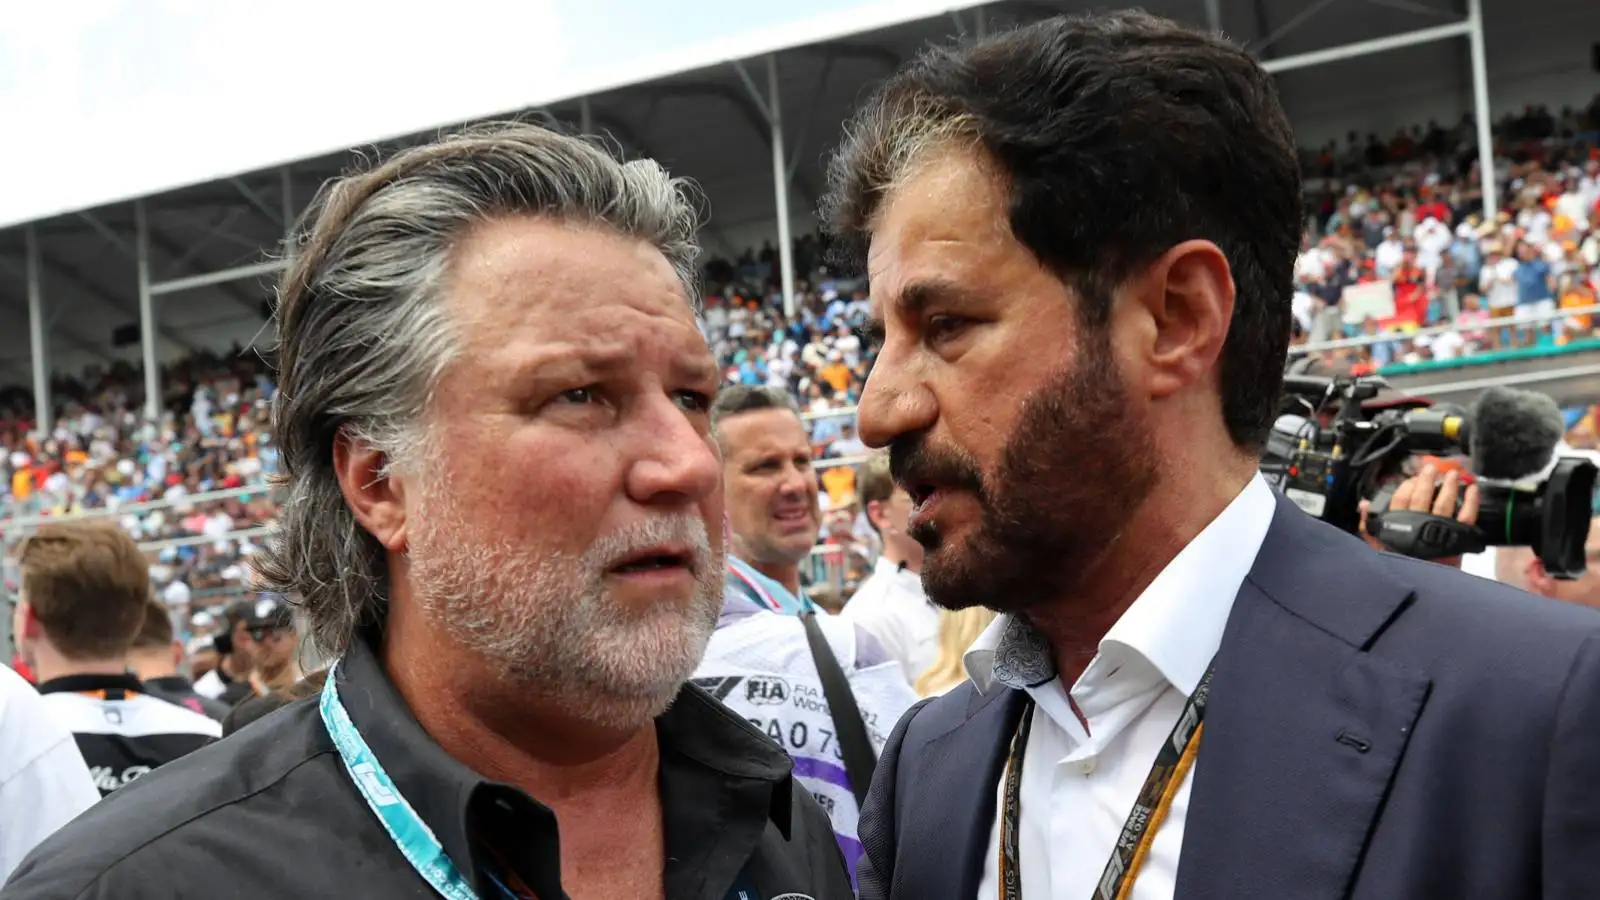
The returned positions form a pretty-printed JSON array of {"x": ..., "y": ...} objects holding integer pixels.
[{"x": 501, "y": 519}]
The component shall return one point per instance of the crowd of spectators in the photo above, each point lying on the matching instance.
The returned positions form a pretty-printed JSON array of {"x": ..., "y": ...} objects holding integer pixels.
[
  {"x": 102, "y": 458},
  {"x": 1396, "y": 242}
]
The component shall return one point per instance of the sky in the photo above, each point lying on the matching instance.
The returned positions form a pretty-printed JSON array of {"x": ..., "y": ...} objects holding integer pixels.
[{"x": 104, "y": 100}]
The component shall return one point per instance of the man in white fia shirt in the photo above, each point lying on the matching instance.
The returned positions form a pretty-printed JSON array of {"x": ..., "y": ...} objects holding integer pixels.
[{"x": 1080, "y": 239}]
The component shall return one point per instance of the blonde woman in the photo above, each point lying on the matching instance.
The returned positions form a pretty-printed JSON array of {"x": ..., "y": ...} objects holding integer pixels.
[{"x": 957, "y": 631}]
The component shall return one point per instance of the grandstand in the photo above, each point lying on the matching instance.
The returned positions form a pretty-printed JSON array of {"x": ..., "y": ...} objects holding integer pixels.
[{"x": 141, "y": 387}]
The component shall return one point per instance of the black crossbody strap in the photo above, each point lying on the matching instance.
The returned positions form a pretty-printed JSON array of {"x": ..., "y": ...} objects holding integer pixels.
[{"x": 859, "y": 758}]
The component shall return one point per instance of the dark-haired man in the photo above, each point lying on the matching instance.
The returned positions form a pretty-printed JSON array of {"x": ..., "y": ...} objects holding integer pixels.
[
  {"x": 891, "y": 604},
  {"x": 154, "y": 659},
  {"x": 1080, "y": 238}
]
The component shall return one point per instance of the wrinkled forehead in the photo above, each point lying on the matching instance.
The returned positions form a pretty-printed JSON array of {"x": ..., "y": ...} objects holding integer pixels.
[{"x": 762, "y": 432}]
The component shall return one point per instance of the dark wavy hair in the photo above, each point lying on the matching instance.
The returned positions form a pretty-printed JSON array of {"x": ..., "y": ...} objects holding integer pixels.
[{"x": 1121, "y": 135}]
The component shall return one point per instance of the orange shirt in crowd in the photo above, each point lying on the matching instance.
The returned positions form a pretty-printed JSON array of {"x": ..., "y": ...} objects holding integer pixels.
[
  {"x": 1578, "y": 297},
  {"x": 837, "y": 375},
  {"x": 840, "y": 483}
]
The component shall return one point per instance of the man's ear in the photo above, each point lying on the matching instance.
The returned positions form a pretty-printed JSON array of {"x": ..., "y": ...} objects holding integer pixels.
[
  {"x": 1185, "y": 301},
  {"x": 1537, "y": 578},
  {"x": 178, "y": 653},
  {"x": 875, "y": 514},
  {"x": 30, "y": 622},
  {"x": 375, "y": 495}
]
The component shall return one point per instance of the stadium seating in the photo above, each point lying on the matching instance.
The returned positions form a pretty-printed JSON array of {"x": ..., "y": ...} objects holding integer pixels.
[{"x": 1395, "y": 246}]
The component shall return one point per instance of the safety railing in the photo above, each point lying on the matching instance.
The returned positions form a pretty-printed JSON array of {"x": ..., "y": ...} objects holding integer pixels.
[
  {"x": 1520, "y": 320},
  {"x": 238, "y": 534},
  {"x": 19, "y": 522}
]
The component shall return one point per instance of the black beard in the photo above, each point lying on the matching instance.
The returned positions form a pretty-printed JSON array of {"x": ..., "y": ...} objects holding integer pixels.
[{"x": 1070, "y": 478}]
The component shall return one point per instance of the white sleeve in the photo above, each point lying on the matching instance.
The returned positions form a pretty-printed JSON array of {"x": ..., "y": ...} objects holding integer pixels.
[
  {"x": 44, "y": 783},
  {"x": 877, "y": 619}
]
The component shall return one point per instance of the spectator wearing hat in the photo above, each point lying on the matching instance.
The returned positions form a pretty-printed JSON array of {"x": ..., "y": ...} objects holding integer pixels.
[
  {"x": 277, "y": 644},
  {"x": 229, "y": 681}
]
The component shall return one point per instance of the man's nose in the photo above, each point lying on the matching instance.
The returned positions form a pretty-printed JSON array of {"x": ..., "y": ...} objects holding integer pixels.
[
  {"x": 678, "y": 463},
  {"x": 797, "y": 480},
  {"x": 893, "y": 401}
]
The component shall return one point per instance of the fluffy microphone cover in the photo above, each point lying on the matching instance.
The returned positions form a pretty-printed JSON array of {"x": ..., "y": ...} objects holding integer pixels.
[{"x": 1514, "y": 433}]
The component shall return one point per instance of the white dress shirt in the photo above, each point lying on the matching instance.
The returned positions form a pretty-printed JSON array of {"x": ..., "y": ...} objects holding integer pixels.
[
  {"x": 1078, "y": 785},
  {"x": 892, "y": 607},
  {"x": 44, "y": 782}
]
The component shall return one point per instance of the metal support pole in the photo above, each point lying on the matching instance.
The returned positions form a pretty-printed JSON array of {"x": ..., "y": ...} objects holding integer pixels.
[
  {"x": 38, "y": 335},
  {"x": 1480, "y": 109},
  {"x": 147, "y": 313},
  {"x": 1367, "y": 48},
  {"x": 980, "y": 23},
  {"x": 221, "y": 276},
  {"x": 286, "y": 194},
  {"x": 780, "y": 184},
  {"x": 585, "y": 116},
  {"x": 1214, "y": 15}
]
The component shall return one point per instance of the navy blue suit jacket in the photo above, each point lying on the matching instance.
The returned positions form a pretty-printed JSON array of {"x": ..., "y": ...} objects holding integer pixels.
[{"x": 1379, "y": 728}]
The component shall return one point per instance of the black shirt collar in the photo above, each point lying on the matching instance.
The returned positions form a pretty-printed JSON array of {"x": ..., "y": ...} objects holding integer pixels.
[
  {"x": 704, "y": 747},
  {"x": 73, "y": 684},
  {"x": 170, "y": 683}
]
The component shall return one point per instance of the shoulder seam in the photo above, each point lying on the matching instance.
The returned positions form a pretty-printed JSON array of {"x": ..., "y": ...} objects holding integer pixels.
[{"x": 95, "y": 881}]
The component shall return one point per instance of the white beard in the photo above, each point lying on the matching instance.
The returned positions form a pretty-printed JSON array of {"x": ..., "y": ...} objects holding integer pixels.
[{"x": 549, "y": 621}]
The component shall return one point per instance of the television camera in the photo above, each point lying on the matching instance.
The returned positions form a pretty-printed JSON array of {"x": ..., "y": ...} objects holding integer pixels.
[{"x": 1338, "y": 441}]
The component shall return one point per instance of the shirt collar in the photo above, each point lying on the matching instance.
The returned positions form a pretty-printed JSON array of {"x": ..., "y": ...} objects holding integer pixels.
[
  {"x": 695, "y": 734},
  {"x": 745, "y": 580},
  {"x": 896, "y": 571},
  {"x": 1176, "y": 623},
  {"x": 80, "y": 684}
]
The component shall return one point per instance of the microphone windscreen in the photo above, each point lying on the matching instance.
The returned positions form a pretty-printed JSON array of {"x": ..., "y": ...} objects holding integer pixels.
[{"x": 1514, "y": 433}]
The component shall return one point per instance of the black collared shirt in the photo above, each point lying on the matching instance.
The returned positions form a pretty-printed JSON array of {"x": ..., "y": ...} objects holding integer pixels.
[
  {"x": 270, "y": 812},
  {"x": 180, "y": 690}
]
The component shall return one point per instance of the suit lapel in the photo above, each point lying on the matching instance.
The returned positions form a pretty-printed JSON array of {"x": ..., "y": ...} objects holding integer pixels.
[
  {"x": 1305, "y": 728},
  {"x": 961, "y": 775}
]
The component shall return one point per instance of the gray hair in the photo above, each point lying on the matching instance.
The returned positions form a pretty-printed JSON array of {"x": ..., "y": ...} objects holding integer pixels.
[{"x": 363, "y": 335}]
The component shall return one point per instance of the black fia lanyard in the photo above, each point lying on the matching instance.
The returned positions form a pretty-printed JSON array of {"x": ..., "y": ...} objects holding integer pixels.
[{"x": 1127, "y": 856}]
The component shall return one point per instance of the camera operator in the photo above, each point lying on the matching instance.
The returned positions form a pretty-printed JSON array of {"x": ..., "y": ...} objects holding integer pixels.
[
  {"x": 1521, "y": 567},
  {"x": 1417, "y": 494}
]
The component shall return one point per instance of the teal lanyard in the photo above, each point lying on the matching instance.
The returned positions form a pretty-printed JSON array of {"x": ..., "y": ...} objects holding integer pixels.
[{"x": 410, "y": 834}]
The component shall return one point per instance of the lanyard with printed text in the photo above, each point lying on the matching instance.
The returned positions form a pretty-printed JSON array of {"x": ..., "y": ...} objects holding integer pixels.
[
  {"x": 1149, "y": 808},
  {"x": 412, "y": 836}
]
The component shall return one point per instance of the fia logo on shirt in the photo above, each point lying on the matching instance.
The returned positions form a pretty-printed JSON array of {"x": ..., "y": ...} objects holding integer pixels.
[{"x": 766, "y": 691}]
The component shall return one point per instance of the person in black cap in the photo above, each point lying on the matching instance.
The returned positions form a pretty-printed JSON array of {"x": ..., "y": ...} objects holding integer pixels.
[
  {"x": 270, "y": 625},
  {"x": 230, "y": 680}
]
